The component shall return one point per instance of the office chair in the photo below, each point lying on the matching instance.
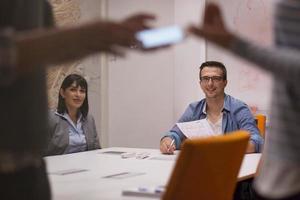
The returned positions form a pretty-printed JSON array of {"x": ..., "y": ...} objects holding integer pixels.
[
  {"x": 207, "y": 168},
  {"x": 261, "y": 124}
]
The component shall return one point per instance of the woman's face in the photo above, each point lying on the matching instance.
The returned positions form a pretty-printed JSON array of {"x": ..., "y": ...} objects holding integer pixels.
[{"x": 74, "y": 96}]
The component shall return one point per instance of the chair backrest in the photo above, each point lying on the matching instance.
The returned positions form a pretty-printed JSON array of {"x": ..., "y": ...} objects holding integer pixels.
[
  {"x": 207, "y": 168},
  {"x": 261, "y": 124}
]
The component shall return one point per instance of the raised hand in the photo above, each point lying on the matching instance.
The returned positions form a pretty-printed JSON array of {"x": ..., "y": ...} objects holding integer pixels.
[{"x": 213, "y": 28}]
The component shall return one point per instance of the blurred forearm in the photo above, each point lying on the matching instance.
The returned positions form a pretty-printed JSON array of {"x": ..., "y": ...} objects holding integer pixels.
[
  {"x": 250, "y": 147},
  {"x": 51, "y": 46}
]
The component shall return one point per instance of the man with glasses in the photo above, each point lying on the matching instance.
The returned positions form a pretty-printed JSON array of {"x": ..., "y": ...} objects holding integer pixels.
[{"x": 222, "y": 112}]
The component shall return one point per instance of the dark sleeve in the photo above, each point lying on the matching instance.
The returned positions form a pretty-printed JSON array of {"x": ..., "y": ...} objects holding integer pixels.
[
  {"x": 175, "y": 133},
  {"x": 246, "y": 122},
  {"x": 96, "y": 138},
  {"x": 91, "y": 134},
  {"x": 7, "y": 58},
  {"x": 52, "y": 123},
  {"x": 48, "y": 15}
]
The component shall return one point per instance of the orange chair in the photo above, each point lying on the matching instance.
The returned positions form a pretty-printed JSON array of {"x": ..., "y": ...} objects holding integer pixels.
[
  {"x": 261, "y": 124},
  {"x": 207, "y": 168}
]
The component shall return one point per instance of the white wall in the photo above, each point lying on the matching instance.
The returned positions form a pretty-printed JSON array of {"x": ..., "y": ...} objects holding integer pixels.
[
  {"x": 91, "y": 66},
  {"x": 251, "y": 20},
  {"x": 188, "y": 57},
  {"x": 147, "y": 92}
]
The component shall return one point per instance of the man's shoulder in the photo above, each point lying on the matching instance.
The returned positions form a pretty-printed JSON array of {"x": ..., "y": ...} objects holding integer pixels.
[
  {"x": 233, "y": 103},
  {"x": 197, "y": 104},
  {"x": 233, "y": 100},
  {"x": 194, "y": 110}
]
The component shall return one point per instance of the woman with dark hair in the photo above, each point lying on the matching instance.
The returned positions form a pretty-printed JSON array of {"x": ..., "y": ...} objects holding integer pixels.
[{"x": 71, "y": 128}]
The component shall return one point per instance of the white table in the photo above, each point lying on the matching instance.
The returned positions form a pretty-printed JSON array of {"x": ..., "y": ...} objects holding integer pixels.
[{"x": 91, "y": 184}]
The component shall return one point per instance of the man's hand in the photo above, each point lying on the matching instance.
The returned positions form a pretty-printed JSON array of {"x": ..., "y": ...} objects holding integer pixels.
[
  {"x": 167, "y": 146},
  {"x": 250, "y": 147},
  {"x": 213, "y": 28}
]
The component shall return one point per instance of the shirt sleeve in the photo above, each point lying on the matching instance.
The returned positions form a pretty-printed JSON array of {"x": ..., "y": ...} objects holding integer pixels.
[
  {"x": 175, "y": 133},
  {"x": 7, "y": 58},
  {"x": 95, "y": 134},
  {"x": 246, "y": 122},
  {"x": 283, "y": 63}
]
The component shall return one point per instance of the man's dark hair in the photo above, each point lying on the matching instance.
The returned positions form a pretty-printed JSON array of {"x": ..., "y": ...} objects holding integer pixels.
[
  {"x": 214, "y": 64},
  {"x": 67, "y": 82}
]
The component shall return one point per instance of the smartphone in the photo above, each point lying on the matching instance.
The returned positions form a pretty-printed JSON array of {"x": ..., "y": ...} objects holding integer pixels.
[{"x": 157, "y": 37}]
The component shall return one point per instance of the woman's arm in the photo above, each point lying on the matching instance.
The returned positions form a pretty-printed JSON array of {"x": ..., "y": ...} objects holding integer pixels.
[{"x": 55, "y": 45}]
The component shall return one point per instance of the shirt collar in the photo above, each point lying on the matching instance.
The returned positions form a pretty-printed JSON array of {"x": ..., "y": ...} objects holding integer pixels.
[
  {"x": 226, "y": 103},
  {"x": 225, "y": 106},
  {"x": 66, "y": 116},
  {"x": 204, "y": 108}
]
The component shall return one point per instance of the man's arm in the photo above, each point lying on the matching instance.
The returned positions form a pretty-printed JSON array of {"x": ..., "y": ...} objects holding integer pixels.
[
  {"x": 166, "y": 144},
  {"x": 175, "y": 133},
  {"x": 250, "y": 147},
  {"x": 246, "y": 122}
]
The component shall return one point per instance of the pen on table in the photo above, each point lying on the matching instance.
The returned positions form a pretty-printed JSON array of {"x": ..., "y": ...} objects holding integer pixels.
[
  {"x": 159, "y": 189},
  {"x": 171, "y": 144}
]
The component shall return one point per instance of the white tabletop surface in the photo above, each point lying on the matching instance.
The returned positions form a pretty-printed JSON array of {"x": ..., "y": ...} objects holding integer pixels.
[{"x": 91, "y": 183}]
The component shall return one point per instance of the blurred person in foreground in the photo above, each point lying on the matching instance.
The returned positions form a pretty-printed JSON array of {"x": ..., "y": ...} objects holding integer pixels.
[
  {"x": 279, "y": 172},
  {"x": 28, "y": 43}
]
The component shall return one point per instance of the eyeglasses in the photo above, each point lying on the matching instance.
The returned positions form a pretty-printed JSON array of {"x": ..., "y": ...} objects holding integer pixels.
[{"x": 215, "y": 79}]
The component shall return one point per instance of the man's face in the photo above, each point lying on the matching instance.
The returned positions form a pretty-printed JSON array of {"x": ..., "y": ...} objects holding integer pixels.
[{"x": 212, "y": 82}]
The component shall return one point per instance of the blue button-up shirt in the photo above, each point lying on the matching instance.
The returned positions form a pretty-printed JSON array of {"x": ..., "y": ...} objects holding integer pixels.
[
  {"x": 236, "y": 116},
  {"x": 77, "y": 140}
]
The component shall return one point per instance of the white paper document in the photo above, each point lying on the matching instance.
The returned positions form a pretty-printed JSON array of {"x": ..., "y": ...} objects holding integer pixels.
[{"x": 198, "y": 128}]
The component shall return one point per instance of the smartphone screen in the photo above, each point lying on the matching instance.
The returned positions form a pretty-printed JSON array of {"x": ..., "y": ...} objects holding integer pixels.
[{"x": 160, "y": 36}]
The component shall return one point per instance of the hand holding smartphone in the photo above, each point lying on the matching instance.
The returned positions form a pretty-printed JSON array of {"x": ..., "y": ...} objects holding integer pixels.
[{"x": 152, "y": 38}]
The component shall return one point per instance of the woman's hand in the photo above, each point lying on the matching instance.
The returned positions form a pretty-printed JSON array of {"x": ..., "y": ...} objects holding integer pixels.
[{"x": 213, "y": 28}]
